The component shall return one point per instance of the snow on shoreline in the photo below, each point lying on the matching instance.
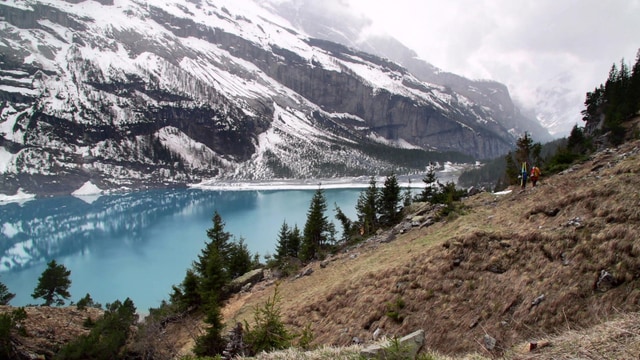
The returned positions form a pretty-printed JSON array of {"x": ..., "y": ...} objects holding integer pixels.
[
  {"x": 89, "y": 192},
  {"x": 310, "y": 184},
  {"x": 448, "y": 172},
  {"x": 19, "y": 197}
]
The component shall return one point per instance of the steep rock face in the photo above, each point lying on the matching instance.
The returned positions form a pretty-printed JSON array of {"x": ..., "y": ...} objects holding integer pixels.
[
  {"x": 131, "y": 94},
  {"x": 388, "y": 114},
  {"x": 325, "y": 22}
]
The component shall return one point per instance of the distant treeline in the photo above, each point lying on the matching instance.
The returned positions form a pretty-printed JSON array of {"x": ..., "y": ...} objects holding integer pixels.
[{"x": 609, "y": 105}]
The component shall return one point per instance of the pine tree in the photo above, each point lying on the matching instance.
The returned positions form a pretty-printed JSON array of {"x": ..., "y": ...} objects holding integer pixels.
[
  {"x": 239, "y": 259},
  {"x": 282, "y": 245},
  {"x": 187, "y": 294},
  {"x": 213, "y": 278},
  {"x": 407, "y": 198},
  {"x": 53, "y": 284},
  {"x": 634, "y": 86},
  {"x": 616, "y": 100},
  {"x": 295, "y": 240},
  {"x": 318, "y": 231},
  {"x": 5, "y": 295},
  {"x": 367, "y": 209},
  {"x": 268, "y": 332},
  {"x": 389, "y": 201},
  {"x": 87, "y": 301},
  {"x": 346, "y": 223},
  {"x": 431, "y": 185},
  {"x": 593, "y": 105},
  {"x": 577, "y": 142},
  {"x": 212, "y": 342},
  {"x": 524, "y": 146},
  {"x": 219, "y": 239},
  {"x": 212, "y": 266}
]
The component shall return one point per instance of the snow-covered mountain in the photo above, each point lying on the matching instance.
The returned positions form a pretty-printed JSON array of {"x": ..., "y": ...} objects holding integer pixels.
[{"x": 136, "y": 93}]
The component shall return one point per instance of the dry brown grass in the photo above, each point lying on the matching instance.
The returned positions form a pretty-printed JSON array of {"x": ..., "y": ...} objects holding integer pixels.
[
  {"x": 479, "y": 273},
  {"x": 618, "y": 338}
]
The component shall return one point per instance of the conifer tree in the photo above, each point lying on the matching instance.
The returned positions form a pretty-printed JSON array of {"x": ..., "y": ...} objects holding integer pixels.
[
  {"x": 288, "y": 244},
  {"x": 212, "y": 265},
  {"x": 616, "y": 100},
  {"x": 577, "y": 141},
  {"x": 318, "y": 231},
  {"x": 524, "y": 147},
  {"x": 633, "y": 97},
  {"x": 212, "y": 342},
  {"x": 5, "y": 295},
  {"x": 53, "y": 284},
  {"x": 407, "y": 198},
  {"x": 367, "y": 209},
  {"x": 187, "y": 294},
  {"x": 213, "y": 277},
  {"x": 282, "y": 245},
  {"x": 239, "y": 259},
  {"x": 268, "y": 332},
  {"x": 431, "y": 185},
  {"x": 295, "y": 240},
  {"x": 219, "y": 240},
  {"x": 347, "y": 224},
  {"x": 389, "y": 208}
]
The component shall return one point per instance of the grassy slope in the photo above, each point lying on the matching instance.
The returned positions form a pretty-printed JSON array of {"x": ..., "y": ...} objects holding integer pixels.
[{"x": 512, "y": 249}]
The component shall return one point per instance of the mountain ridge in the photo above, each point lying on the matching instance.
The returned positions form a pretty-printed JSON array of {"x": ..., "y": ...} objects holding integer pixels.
[{"x": 129, "y": 95}]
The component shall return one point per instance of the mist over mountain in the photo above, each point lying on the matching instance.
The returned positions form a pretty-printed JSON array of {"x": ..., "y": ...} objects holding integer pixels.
[
  {"x": 128, "y": 94},
  {"x": 330, "y": 21}
]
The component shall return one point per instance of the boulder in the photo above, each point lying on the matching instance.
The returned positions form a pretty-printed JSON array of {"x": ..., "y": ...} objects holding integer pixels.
[
  {"x": 489, "y": 342},
  {"x": 407, "y": 347},
  {"x": 251, "y": 277}
]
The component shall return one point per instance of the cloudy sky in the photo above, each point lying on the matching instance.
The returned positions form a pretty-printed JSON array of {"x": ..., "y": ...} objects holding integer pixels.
[{"x": 548, "y": 52}]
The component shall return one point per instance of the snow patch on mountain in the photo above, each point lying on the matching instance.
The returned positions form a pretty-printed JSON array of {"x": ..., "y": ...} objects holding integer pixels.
[
  {"x": 399, "y": 143},
  {"x": 88, "y": 188},
  {"x": 194, "y": 154}
]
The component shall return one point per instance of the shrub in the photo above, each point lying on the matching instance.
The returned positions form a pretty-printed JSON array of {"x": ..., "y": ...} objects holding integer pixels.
[
  {"x": 107, "y": 337},
  {"x": 268, "y": 332},
  {"x": 86, "y": 302},
  {"x": 394, "y": 309},
  {"x": 9, "y": 322}
]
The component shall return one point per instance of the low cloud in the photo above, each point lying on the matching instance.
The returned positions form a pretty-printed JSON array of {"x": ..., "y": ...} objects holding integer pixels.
[{"x": 537, "y": 48}]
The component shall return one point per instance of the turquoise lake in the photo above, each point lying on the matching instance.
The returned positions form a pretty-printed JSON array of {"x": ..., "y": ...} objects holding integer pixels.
[{"x": 138, "y": 245}]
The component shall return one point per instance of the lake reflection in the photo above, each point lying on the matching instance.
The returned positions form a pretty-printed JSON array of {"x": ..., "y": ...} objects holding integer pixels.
[{"x": 137, "y": 245}]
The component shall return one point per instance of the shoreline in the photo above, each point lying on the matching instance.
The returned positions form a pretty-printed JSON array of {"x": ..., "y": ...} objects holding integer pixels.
[{"x": 90, "y": 191}]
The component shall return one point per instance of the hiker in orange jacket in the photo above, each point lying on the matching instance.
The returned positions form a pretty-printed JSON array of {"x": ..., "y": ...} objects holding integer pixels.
[{"x": 535, "y": 174}]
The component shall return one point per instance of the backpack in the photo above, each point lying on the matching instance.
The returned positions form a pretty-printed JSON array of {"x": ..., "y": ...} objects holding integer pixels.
[{"x": 535, "y": 171}]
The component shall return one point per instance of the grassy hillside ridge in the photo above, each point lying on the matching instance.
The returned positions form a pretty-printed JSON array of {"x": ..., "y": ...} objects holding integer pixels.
[{"x": 481, "y": 272}]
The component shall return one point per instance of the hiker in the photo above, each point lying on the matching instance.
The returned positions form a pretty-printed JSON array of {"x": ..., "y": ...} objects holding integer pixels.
[
  {"x": 523, "y": 174},
  {"x": 535, "y": 174}
]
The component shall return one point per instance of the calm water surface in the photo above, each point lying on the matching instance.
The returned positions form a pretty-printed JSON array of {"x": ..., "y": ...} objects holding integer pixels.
[{"x": 138, "y": 245}]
